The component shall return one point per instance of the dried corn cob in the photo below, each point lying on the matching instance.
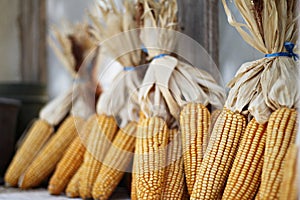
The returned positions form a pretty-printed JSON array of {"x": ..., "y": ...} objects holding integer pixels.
[
  {"x": 71, "y": 161},
  {"x": 174, "y": 176},
  {"x": 219, "y": 156},
  {"x": 116, "y": 162},
  {"x": 36, "y": 137},
  {"x": 100, "y": 139},
  {"x": 288, "y": 187},
  {"x": 214, "y": 116},
  {"x": 72, "y": 189},
  {"x": 133, "y": 192},
  {"x": 281, "y": 133},
  {"x": 49, "y": 156},
  {"x": 194, "y": 123},
  {"x": 244, "y": 177},
  {"x": 67, "y": 167},
  {"x": 150, "y": 157}
]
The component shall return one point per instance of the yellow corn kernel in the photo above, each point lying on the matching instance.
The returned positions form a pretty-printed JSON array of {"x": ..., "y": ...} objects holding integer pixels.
[
  {"x": 99, "y": 141},
  {"x": 174, "y": 184},
  {"x": 116, "y": 162},
  {"x": 150, "y": 157},
  {"x": 72, "y": 189},
  {"x": 67, "y": 167},
  {"x": 194, "y": 124},
  {"x": 71, "y": 161},
  {"x": 35, "y": 139},
  {"x": 49, "y": 156},
  {"x": 288, "y": 187},
  {"x": 281, "y": 132},
  {"x": 244, "y": 177},
  {"x": 219, "y": 157},
  {"x": 214, "y": 116}
]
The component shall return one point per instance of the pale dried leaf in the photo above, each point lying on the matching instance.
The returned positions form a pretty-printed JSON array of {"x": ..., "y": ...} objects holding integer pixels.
[
  {"x": 121, "y": 99},
  {"x": 262, "y": 86},
  {"x": 57, "y": 109}
]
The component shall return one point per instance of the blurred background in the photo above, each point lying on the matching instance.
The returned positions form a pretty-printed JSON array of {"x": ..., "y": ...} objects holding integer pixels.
[
  {"x": 31, "y": 74},
  {"x": 233, "y": 51}
]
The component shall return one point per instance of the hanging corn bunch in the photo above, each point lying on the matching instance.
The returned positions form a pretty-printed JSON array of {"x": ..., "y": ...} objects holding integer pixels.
[
  {"x": 50, "y": 155},
  {"x": 261, "y": 89},
  {"x": 121, "y": 99},
  {"x": 114, "y": 102},
  {"x": 82, "y": 42},
  {"x": 39, "y": 133},
  {"x": 177, "y": 85}
]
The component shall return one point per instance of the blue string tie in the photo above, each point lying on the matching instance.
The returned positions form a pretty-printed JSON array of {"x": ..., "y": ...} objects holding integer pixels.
[
  {"x": 160, "y": 56},
  {"x": 289, "y": 46},
  {"x": 144, "y": 49},
  {"x": 130, "y": 68}
]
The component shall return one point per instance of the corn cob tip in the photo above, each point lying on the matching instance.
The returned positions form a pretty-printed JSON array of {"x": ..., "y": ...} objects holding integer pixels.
[
  {"x": 21, "y": 182},
  {"x": 53, "y": 190},
  {"x": 71, "y": 195}
]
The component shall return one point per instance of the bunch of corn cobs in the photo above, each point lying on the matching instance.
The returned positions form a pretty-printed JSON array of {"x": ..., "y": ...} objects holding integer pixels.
[{"x": 245, "y": 150}]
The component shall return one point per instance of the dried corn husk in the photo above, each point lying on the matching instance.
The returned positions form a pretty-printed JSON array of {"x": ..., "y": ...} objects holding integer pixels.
[
  {"x": 178, "y": 82},
  {"x": 121, "y": 99},
  {"x": 267, "y": 84},
  {"x": 57, "y": 109},
  {"x": 168, "y": 85},
  {"x": 77, "y": 37}
]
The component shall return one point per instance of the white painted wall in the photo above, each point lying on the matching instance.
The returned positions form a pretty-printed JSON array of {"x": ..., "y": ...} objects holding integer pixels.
[{"x": 9, "y": 41}]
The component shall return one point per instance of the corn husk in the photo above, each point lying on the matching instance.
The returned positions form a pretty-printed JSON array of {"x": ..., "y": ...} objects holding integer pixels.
[
  {"x": 177, "y": 82},
  {"x": 57, "y": 109},
  {"x": 262, "y": 86},
  {"x": 123, "y": 45},
  {"x": 77, "y": 37}
]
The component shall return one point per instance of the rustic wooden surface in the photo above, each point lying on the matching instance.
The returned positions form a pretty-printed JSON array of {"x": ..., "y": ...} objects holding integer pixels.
[{"x": 199, "y": 20}]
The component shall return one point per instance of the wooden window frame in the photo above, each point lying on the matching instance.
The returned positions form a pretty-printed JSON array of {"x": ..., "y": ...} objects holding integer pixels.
[{"x": 32, "y": 27}]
